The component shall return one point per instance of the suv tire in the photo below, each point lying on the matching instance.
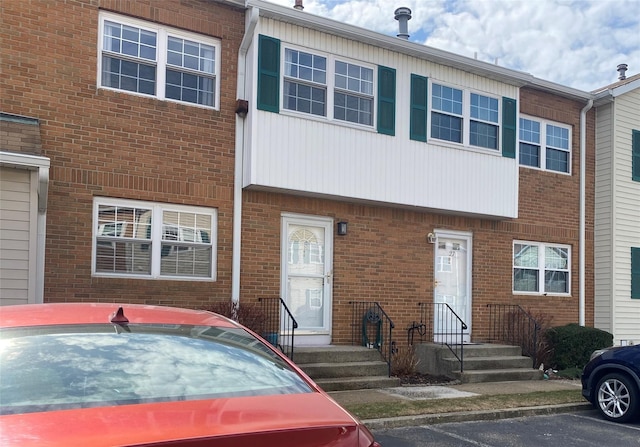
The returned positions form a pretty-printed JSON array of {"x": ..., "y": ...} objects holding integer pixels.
[{"x": 617, "y": 398}]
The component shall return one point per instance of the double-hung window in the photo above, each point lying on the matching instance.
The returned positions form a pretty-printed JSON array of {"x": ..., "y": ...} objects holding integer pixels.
[
  {"x": 540, "y": 268},
  {"x": 545, "y": 145},
  {"x": 484, "y": 126},
  {"x": 353, "y": 96},
  {"x": 325, "y": 86},
  {"x": 446, "y": 115},
  {"x": 305, "y": 82},
  {"x": 166, "y": 63},
  {"x": 152, "y": 240},
  {"x": 464, "y": 117}
]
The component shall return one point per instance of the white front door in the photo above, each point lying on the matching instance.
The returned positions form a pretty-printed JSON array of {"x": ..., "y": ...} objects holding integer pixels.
[
  {"x": 452, "y": 285},
  {"x": 307, "y": 259}
]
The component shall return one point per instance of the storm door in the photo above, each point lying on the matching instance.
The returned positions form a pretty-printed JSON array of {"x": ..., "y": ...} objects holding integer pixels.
[
  {"x": 452, "y": 287},
  {"x": 307, "y": 250}
]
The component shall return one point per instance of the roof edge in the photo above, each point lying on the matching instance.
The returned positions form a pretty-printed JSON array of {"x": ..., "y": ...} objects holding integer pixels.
[{"x": 496, "y": 72}]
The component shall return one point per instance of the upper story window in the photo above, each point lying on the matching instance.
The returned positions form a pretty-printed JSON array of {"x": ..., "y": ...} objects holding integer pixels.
[
  {"x": 305, "y": 82},
  {"x": 353, "y": 97},
  {"x": 541, "y": 268},
  {"x": 148, "y": 59},
  {"x": 464, "y": 117},
  {"x": 446, "y": 117},
  {"x": 545, "y": 145},
  {"x": 324, "y": 85},
  {"x": 152, "y": 240}
]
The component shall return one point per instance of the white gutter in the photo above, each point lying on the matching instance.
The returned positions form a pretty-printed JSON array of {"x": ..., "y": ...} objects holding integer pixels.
[
  {"x": 581, "y": 243},
  {"x": 250, "y": 26}
]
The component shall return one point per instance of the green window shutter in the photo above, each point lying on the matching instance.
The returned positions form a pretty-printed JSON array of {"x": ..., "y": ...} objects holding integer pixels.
[
  {"x": 268, "y": 74},
  {"x": 418, "y": 115},
  {"x": 635, "y": 155},
  {"x": 509, "y": 119},
  {"x": 635, "y": 272},
  {"x": 386, "y": 100}
]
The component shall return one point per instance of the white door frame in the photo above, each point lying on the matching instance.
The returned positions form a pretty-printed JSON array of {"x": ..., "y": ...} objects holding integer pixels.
[
  {"x": 321, "y": 335},
  {"x": 467, "y": 237}
]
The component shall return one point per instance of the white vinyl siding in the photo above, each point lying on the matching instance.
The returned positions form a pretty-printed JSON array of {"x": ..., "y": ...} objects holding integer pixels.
[
  {"x": 18, "y": 201},
  {"x": 320, "y": 157},
  {"x": 617, "y": 226}
]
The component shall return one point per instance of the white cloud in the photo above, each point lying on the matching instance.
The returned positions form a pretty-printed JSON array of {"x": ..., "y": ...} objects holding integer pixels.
[{"x": 577, "y": 43}]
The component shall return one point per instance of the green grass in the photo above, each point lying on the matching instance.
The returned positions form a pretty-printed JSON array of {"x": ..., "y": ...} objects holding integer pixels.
[{"x": 475, "y": 403}]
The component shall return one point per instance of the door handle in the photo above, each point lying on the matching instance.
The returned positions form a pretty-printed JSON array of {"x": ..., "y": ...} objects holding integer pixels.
[{"x": 328, "y": 277}]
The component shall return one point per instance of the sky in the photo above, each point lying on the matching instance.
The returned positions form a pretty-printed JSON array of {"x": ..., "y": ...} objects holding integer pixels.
[{"x": 576, "y": 43}]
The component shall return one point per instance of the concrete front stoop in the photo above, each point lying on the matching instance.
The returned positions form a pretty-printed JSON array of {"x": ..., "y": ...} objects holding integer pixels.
[
  {"x": 481, "y": 363},
  {"x": 341, "y": 368}
]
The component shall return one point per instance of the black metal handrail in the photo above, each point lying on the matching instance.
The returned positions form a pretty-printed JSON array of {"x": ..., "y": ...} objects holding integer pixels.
[
  {"x": 511, "y": 324},
  {"x": 279, "y": 325},
  {"x": 449, "y": 331},
  {"x": 372, "y": 327}
]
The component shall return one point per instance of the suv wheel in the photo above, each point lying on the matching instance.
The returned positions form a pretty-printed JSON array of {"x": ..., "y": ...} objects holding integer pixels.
[{"x": 617, "y": 398}]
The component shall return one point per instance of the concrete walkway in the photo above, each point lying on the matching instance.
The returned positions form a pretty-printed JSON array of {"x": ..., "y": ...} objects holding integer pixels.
[{"x": 413, "y": 392}]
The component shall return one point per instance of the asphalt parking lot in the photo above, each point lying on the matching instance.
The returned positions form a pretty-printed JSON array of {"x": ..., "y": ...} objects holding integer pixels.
[{"x": 577, "y": 429}]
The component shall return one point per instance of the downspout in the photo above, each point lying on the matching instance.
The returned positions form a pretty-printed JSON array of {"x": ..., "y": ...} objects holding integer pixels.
[
  {"x": 581, "y": 243},
  {"x": 250, "y": 27}
]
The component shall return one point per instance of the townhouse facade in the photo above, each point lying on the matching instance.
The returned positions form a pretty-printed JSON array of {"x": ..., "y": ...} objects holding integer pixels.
[
  {"x": 617, "y": 210},
  {"x": 192, "y": 153},
  {"x": 459, "y": 182}
]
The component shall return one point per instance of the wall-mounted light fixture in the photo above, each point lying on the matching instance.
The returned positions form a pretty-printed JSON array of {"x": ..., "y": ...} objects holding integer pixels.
[
  {"x": 342, "y": 228},
  {"x": 242, "y": 107},
  {"x": 431, "y": 238}
]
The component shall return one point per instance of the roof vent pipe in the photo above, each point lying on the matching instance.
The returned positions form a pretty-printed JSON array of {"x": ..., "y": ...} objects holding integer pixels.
[
  {"x": 622, "y": 69},
  {"x": 298, "y": 5},
  {"x": 403, "y": 15}
]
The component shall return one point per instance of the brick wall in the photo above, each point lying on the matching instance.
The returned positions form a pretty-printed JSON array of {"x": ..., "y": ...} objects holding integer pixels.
[{"x": 114, "y": 144}]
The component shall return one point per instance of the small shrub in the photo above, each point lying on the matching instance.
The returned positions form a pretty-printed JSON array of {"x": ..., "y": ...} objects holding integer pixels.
[
  {"x": 572, "y": 345},
  {"x": 248, "y": 314},
  {"x": 404, "y": 362}
]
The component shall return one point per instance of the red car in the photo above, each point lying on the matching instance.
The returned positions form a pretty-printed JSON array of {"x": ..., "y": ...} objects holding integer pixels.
[{"x": 81, "y": 374}]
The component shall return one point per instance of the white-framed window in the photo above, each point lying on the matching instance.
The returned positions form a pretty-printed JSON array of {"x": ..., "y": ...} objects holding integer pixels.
[
  {"x": 541, "y": 269},
  {"x": 463, "y": 116},
  {"x": 353, "y": 95},
  {"x": 149, "y": 59},
  {"x": 328, "y": 86},
  {"x": 545, "y": 145},
  {"x": 305, "y": 82},
  {"x": 153, "y": 240}
]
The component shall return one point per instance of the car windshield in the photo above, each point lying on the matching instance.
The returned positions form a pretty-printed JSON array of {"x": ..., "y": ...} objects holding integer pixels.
[{"x": 59, "y": 367}]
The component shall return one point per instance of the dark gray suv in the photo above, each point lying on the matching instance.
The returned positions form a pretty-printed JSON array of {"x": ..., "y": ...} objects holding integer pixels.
[{"x": 611, "y": 382}]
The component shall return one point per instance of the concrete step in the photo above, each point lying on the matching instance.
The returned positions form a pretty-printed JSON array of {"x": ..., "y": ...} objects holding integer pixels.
[
  {"x": 335, "y": 354},
  {"x": 498, "y": 375},
  {"x": 347, "y": 369},
  {"x": 484, "y": 350},
  {"x": 357, "y": 383},
  {"x": 494, "y": 362}
]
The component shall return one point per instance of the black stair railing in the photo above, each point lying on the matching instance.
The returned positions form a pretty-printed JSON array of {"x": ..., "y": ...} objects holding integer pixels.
[
  {"x": 371, "y": 327},
  {"x": 279, "y": 325},
  {"x": 511, "y": 324},
  {"x": 439, "y": 323}
]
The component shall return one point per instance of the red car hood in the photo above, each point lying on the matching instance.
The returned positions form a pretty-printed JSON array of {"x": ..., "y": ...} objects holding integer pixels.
[{"x": 303, "y": 420}]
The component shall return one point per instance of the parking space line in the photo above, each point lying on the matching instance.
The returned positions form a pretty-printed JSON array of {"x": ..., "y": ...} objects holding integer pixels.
[
  {"x": 453, "y": 435},
  {"x": 604, "y": 421}
]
